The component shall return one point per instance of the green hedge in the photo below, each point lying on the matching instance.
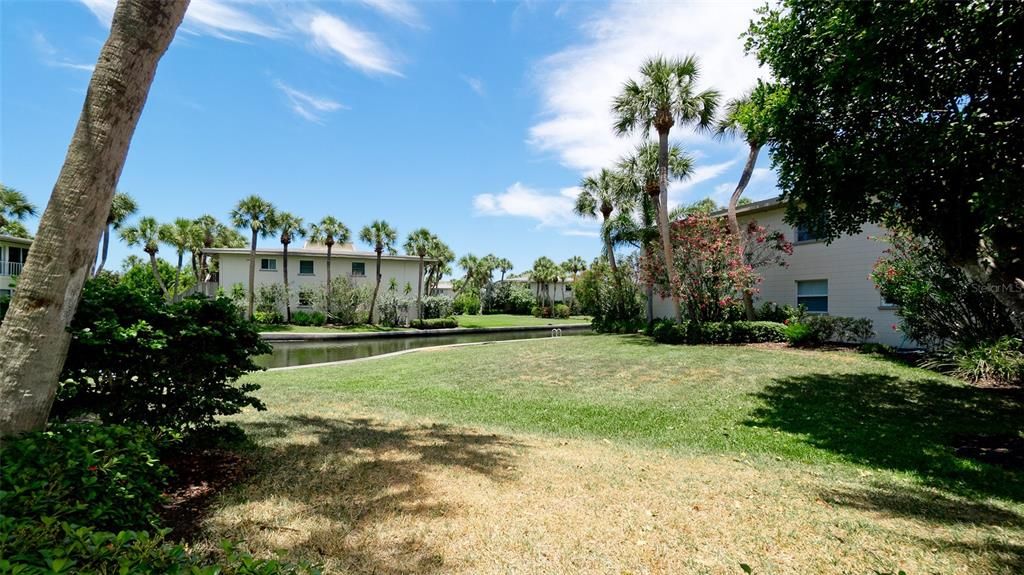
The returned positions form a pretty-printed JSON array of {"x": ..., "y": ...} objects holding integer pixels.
[
  {"x": 436, "y": 323},
  {"x": 719, "y": 332}
]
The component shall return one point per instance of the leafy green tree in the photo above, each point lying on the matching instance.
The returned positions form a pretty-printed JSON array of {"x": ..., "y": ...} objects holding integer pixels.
[
  {"x": 137, "y": 274},
  {"x": 418, "y": 244},
  {"x": 908, "y": 114},
  {"x": 666, "y": 95},
  {"x": 380, "y": 236},
  {"x": 290, "y": 227},
  {"x": 257, "y": 215},
  {"x": 441, "y": 258},
  {"x": 122, "y": 207},
  {"x": 180, "y": 235},
  {"x": 146, "y": 234},
  {"x": 328, "y": 232},
  {"x": 14, "y": 207},
  {"x": 545, "y": 272},
  {"x": 602, "y": 193}
]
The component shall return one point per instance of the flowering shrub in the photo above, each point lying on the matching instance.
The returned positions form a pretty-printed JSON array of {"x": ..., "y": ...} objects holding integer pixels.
[
  {"x": 614, "y": 301},
  {"x": 712, "y": 273}
]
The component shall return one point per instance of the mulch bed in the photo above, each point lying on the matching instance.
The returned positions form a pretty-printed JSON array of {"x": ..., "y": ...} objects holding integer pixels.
[{"x": 198, "y": 477}]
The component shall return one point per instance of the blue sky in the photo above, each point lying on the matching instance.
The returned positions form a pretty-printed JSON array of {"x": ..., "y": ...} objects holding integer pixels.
[{"x": 473, "y": 119}]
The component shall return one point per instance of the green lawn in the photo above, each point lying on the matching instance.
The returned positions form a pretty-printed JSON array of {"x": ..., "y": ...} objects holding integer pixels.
[
  {"x": 509, "y": 320},
  {"x": 612, "y": 454}
]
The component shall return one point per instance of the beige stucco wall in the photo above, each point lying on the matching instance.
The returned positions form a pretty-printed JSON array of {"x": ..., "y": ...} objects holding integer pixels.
[
  {"x": 846, "y": 263},
  {"x": 234, "y": 269}
]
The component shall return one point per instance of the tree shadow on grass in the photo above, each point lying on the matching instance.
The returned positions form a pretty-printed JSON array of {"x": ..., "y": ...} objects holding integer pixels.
[
  {"x": 355, "y": 493},
  {"x": 894, "y": 423}
]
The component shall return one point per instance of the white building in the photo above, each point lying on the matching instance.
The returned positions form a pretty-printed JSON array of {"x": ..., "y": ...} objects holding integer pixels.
[
  {"x": 13, "y": 252},
  {"x": 307, "y": 268},
  {"x": 830, "y": 278}
]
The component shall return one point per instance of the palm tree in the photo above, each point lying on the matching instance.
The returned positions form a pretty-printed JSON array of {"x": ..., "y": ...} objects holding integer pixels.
[
  {"x": 290, "y": 227},
  {"x": 469, "y": 263},
  {"x": 574, "y": 265},
  {"x": 34, "y": 332},
  {"x": 441, "y": 258},
  {"x": 748, "y": 116},
  {"x": 146, "y": 233},
  {"x": 180, "y": 236},
  {"x": 601, "y": 193},
  {"x": 328, "y": 232},
  {"x": 543, "y": 273},
  {"x": 667, "y": 95},
  {"x": 122, "y": 207},
  {"x": 418, "y": 244},
  {"x": 257, "y": 215},
  {"x": 641, "y": 173},
  {"x": 504, "y": 266},
  {"x": 14, "y": 207},
  {"x": 209, "y": 229},
  {"x": 381, "y": 236}
]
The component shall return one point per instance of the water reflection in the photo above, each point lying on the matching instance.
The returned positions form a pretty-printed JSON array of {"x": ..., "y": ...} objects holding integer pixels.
[{"x": 289, "y": 353}]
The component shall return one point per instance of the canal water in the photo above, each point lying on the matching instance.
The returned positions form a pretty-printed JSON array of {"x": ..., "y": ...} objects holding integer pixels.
[{"x": 292, "y": 353}]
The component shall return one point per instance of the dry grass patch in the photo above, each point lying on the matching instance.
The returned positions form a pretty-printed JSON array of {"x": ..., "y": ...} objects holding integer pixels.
[{"x": 362, "y": 495}]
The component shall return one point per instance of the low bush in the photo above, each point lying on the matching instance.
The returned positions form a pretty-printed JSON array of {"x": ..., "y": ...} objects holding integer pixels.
[
  {"x": 541, "y": 311},
  {"x": 666, "y": 331},
  {"x": 269, "y": 301},
  {"x": 999, "y": 361},
  {"x": 88, "y": 474},
  {"x": 343, "y": 302},
  {"x": 434, "y": 323},
  {"x": 561, "y": 311},
  {"x": 437, "y": 306},
  {"x": 771, "y": 311},
  {"x": 820, "y": 329},
  {"x": 614, "y": 301},
  {"x": 268, "y": 317},
  {"x": 466, "y": 303},
  {"x": 800, "y": 335},
  {"x": 134, "y": 358},
  {"x": 392, "y": 309},
  {"x": 309, "y": 318},
  {"x": 513, "y": 298}
]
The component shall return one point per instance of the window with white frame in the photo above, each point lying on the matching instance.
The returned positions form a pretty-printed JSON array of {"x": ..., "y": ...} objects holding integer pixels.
[
  {"x": 268, "y": 265},
  {"x": 358, "y": 269},
  {"x": 813, "y": 295},
  {"x": 305, "y": 267}
]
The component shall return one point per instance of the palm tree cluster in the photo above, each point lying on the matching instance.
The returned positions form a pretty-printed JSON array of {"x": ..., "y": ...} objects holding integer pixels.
[
  {"x": 632, "y": 196},
  {"x": 14, "y": 208}
]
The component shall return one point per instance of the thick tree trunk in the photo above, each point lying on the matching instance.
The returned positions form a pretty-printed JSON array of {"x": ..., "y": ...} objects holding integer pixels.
[
  {"x": 252, "y": 274},
  {"x": 156, "y": 273},
  {"x": 287, "y": 296},
  {"x": 734, "y": 223},
  {"x": 419, "y": 291},
  {"x": 177, "y": 276},
  {"x": 376, "y": 288},
  {"x": 663, "y": 224},
  {"x": 33, "y": 336},
  {"x": 103, "y": 251}
]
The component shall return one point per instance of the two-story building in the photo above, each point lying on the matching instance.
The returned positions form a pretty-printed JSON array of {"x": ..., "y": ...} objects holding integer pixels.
[
  {"x": 307, "y": 269},
  {"x": 831, "y": 278},
  {"x": 13, "y": 252}
]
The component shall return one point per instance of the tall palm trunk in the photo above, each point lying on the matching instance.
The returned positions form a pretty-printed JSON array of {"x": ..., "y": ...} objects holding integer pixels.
[
  {"x": 156, "y": 272},
  {"x": 34, "y": 333},
  {"x": 177, "y": 276},
  {"x": 734, "y": 223},
  {"x": 252, "y": 273},
  {"x": 287, "y": 296},
  {"x": 327, "y": 306},
  {"x": 376, "y": 287},
  {"x": 419, "y": 290},
  {"x": 663, "y": 223},
  {"x": 608, "y": 243},
  {"x": 103, "y": 251}
]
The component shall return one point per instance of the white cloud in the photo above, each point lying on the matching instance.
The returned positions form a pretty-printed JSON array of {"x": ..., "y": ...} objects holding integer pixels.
[
  {"x": 701, "y": 174},
  {"x": 213, "y": 17},
  {"x": 475, "y": 84},
  {"x": 50, "y": 55},
  {"x": 763, "y": 184},
  {"x": 401, "y": 10},
  {"x": 306, "y": 105},
  {"x": 577, "y": 84},
  {"x": 548, "y": 209},
  {"x": 358, "y": 48}
]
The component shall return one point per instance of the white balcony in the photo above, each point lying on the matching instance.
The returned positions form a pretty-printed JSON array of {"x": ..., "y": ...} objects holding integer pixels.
[{"x": 10, "y": 268}]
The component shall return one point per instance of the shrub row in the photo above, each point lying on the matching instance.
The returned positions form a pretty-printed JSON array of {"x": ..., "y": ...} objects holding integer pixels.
[
  {"x": 434, "y": 323},
  {"x": 314, "y": 318},
  {"x": 819, "y": 329},
  {"x": 719, "y": 332}
]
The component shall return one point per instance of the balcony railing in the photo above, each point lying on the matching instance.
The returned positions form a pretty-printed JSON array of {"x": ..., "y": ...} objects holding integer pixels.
[{"x": 10, "y": 268}]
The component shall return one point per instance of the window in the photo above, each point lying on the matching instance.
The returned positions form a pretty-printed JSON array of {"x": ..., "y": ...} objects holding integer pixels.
[
  {"x": 813, "y": 294},
  {"x": 268, "y": 265},
  {"x": 885, "y": 304},
  {"x": 804, "y": 234},
  {"x": 305, "y": 267},
  {"x": 358, "y": 269},
  {"x": 305, "y": 298},
  {"x": 17, "y": 255},
  {"x": 6, "y": 293}
]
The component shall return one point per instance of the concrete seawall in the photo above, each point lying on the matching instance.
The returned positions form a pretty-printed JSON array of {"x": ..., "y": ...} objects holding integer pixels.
[{"x": 321, "y": 336}]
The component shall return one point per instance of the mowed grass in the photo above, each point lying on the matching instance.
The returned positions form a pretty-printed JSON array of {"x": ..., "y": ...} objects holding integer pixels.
[
  {"x": 607, "y": 454},
  {"x": 508, "y": 320}
]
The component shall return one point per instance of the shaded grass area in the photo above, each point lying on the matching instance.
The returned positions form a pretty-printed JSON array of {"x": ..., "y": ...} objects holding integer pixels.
[{"x": 509, "y": 320}]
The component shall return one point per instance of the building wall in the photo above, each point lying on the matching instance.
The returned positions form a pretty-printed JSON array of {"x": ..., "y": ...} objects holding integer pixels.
[
  {"x": 234, "y": 269},
  {"x": 8, "y": 271},
  {"x": 846, "y": 263}
]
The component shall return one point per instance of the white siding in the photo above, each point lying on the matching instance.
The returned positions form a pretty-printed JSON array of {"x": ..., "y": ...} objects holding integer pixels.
[{"x": 846, "y": 263}]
